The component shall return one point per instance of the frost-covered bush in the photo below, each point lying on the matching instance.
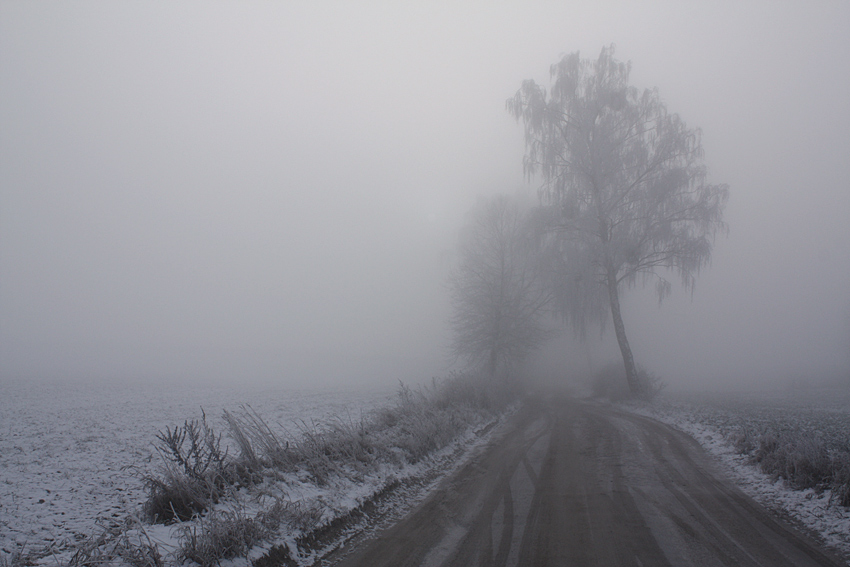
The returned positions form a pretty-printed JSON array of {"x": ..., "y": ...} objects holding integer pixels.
[
  {"x": 194, "y": 476},
  {"x": 196, "y": 473},
  {"x": 800, "y": 458},
  {"x": 744, "y": 440},
  {"x": 221, "y": 534},
  {"x": 841, "y": 478}
]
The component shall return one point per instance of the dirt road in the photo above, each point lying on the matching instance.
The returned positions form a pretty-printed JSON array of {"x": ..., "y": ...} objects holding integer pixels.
[{"x": 581, "y": 484}]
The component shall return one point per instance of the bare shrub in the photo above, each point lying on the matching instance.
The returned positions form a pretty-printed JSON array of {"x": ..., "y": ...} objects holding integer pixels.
[
  {"x": 766, "y": 446},
  {"x": 176, "y": 497},
  {"x": 421, "y": 420},
  {"x": 386, "y": 417},
  {"x": 225, "y": 534},
  {"x": 320, "y": 450},
  {"x": 195, "y": 473},
  {"x": 408, "y": 399},
  {"x": 202, "y": 458}
]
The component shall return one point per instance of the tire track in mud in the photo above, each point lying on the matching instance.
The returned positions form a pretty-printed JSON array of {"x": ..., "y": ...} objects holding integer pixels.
[{"x": 584, "y": 484}]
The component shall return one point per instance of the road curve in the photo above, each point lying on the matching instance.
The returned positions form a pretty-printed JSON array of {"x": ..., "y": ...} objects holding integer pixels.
[{"x": 575, "y": 483}]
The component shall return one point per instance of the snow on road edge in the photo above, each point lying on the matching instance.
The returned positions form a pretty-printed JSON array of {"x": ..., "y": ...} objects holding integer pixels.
[
  {"x": 339, "y": 499},
  {"x": 812, "y": 510}
]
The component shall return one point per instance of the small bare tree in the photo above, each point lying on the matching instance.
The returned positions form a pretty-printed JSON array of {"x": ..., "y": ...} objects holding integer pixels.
[
  {"x": 626, "y": 181},
  {"x": 497, "y": 294}
]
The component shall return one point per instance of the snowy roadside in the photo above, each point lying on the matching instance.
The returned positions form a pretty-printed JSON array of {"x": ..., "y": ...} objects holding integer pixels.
[
  {"x": 811, "y": 509},
  {"x": 378, "y": 500},
  {"x": 74, "y": 455},
  {"x": 291, "y": 516}
]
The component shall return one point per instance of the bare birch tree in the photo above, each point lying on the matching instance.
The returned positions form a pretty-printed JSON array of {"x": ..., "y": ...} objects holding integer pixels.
[
  {"x": 625, "y": 176},
  {"x": 499, "y": 302}
]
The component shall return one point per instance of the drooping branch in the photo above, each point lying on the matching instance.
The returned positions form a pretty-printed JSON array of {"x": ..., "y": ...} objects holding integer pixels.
[{"x": 625, "y": 178}]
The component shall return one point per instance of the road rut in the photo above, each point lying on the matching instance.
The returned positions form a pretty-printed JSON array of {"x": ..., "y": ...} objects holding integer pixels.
[{"x": 584, "y": 484}]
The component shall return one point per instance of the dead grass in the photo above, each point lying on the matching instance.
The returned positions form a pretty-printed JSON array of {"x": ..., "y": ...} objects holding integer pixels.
[
  {"x": 259, "y": 446},
  {"x": 420, "y": 421},
  {"x": 196, "y": 474},
  {"x": 15, "y": 558},
  {"x": 126, "y": 543},
  {"x": 800, "y": 458},
  {"x": 229, "y": 533},
  {"x": 841, "y": 479},
  {"x": 220, "y": 534},
  {"x": 177, "y": 497}
]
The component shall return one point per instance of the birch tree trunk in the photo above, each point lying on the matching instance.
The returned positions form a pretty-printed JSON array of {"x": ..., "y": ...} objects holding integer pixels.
[{"x": 620, "y": 331}]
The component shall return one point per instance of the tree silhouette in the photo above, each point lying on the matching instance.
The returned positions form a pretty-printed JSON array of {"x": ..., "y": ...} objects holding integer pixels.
[
  {"x": 625, "y": 178},
  {"x": 498, "y": 298}
]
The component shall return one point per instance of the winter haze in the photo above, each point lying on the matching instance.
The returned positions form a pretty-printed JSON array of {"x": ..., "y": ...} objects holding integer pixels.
[{"x": 271, "y": 191}]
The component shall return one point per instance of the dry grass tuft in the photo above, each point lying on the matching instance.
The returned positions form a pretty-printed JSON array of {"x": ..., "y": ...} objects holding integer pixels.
[
  {"x": 258, "y": 444},
  {"x": 841, "y": 478},
  {"x": 221, "y": 534},
  {"x": 176, "y": 497},
  {"x": 801, "y": 458},
  {"x": 126, "y": 543},
  {"x": 15, "y": 558}
]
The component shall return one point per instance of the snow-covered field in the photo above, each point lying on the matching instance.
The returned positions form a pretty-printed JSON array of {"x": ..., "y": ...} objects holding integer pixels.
[
  {"x": 713, "y": 420},
  {"x": 72, "y": 456}
]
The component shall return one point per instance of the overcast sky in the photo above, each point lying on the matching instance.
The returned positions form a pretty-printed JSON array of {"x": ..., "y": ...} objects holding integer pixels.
[{"x": 270, "y": 191}]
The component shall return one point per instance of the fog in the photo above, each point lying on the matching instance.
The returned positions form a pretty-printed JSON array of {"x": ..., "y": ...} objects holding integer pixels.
[{"x": 271, "y": 192}]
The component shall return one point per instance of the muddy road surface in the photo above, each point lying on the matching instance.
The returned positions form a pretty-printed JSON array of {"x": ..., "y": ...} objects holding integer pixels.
[{"x": 574, "y": 483}]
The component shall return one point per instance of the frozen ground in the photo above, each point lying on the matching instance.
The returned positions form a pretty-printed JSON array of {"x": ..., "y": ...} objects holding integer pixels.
[
  {"x": 712, "y": 419},
  {"x": 71, "y": 457}
]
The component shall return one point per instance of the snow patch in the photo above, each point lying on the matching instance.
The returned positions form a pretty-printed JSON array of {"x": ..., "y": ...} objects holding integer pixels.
[{"x": 814, "y": 511}]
